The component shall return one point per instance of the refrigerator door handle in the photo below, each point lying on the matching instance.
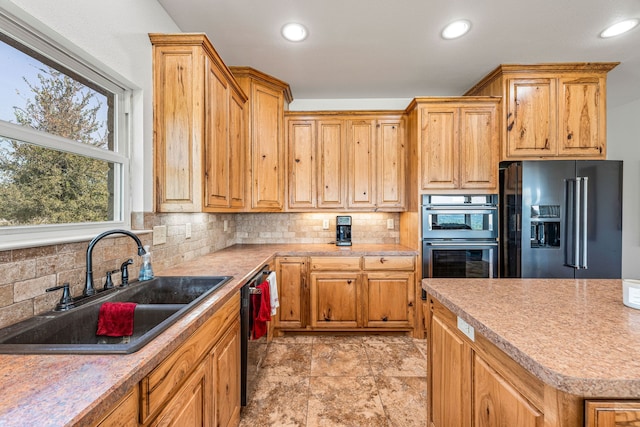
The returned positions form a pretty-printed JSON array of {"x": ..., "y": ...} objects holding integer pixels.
[
  {"x": 576, "y": 231},
  {"x": 585, "y": 181},
  {"x": 572, "y": 249}
]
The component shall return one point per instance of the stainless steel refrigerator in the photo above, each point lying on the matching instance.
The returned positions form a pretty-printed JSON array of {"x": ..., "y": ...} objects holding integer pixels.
[{"x": 561, "y": 218}]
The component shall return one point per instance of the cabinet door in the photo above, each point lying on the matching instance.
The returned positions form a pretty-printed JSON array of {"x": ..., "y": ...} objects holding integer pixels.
[
  {"x": 611, "y": 413},
  {"x": 449, "y": 382},
  {"x": 531, "y": 117},
  {"x": 293, "y": 293},
  {"x": 302, "y": 163},
  {"x": 581, "y": 117},
  {"x": 361, "y": 160},
  {"x": 267, "y": 147},
  {"x": 191, "y": 405},
  {"x": 497, "y": 403},
  {"x": 391, "y": 165},
  {"x": 125, "y": 412},
  {"x": 334, "y": 300},
  {"x": 226, "y": 378},
  {"x": 389, "y": 299},
  {"x": 178, "y": 74},
  {"x": 479, "y": 145},
  {"x": 331, "y": 164},
  {"x": 216, "y": 146},
  {"x": 237, "y": 152},
  {"x": 439, "y": 148}
]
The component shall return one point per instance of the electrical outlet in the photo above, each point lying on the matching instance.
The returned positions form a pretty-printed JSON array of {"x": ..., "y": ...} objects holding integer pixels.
[
  {"x": 466, "y": 329},
  {"x": 325, "y": 224},
  {"x": 187, "y": 230},
  {"x": 390, "y": 225},
  {"x": 159, "y": 235},
  {"x": 225, "y": 225}
]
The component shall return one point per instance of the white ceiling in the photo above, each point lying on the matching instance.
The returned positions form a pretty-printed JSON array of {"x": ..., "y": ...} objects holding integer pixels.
[{"x": 393, "y": 48}]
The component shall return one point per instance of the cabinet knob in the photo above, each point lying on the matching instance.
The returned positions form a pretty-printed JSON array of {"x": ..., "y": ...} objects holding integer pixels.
[
  {"x": 382, "y": 260},
  {"x": 349, "y": 282},
  {"x": 385, "y": 318},
  {"x": 410, "y": 303}
]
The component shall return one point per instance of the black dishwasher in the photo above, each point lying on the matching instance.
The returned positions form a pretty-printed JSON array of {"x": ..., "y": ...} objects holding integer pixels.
[{"x": 246, "y": 316}]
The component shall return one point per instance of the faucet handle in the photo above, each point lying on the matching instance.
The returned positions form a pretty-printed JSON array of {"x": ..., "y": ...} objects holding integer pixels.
[
  {"x": 108, "y": 283},
  {"x": 125, "y": 272},
  {"x": 66, "y": 301}
]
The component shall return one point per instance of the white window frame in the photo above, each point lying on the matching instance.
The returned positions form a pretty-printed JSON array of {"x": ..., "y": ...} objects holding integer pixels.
[{"x": 14, "y": 237}]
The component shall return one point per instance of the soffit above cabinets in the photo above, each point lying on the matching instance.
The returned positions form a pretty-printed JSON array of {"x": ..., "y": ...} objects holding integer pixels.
[{"x": 381, "y": 49}]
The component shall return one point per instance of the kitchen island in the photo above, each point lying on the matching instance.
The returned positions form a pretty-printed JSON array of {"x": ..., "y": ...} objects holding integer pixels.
[
  {"x": 57, "y": 390},
  {"x": 531, "y": 352}
]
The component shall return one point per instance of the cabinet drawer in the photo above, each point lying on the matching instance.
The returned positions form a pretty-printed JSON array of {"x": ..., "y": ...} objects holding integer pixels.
[
  {"x": 161, "y": 384},
  {"x": 335, "y": 263},
  {"x": 389, "y": 263}
]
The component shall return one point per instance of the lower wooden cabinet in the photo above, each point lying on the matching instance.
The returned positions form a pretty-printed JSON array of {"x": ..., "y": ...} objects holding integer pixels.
[
  {"x": 346, "y": 292},
  {"x": 388, "y": 299},
  {"x": 191, "y": 403},
  {"x": 198, "y": 385},
  {"x": 335, "y": 300},
  {"x": 293, "y": 292},
  {"x": 612, "y": 413},
  {"x": 124, "y": 413},
  {"x": 225, "y": 365}
]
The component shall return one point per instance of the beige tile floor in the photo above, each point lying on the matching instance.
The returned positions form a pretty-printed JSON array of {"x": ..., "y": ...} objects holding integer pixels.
[{"x": 325, "y": 381}]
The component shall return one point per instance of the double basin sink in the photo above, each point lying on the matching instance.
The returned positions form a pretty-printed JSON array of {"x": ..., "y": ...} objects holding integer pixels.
[{"x": 160, "y": 301}]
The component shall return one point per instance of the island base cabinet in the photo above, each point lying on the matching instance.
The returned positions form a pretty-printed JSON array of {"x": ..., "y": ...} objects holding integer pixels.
[
  {"x": 471, "y": 382},
  {"x": 611, "y": 413},
  {"x": 449, "y": 368},
  {"x": 497, "y": 403}
]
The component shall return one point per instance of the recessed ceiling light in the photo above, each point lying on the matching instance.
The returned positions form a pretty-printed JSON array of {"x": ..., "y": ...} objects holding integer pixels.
[
  {"x": 456, "y": 29},
  {"x": 294, "y": 32},
  {"x": 619, "y": 28}
]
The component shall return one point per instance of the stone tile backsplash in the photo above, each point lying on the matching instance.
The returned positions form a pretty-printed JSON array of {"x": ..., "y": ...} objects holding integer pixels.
[
  {"x": 25, "y": 274},
  {"x": 307, "y": 228}
]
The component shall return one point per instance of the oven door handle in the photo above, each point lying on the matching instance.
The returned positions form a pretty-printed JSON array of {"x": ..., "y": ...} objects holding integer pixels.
[
  {"x": 457, "y": 244},
  {"x": 453, "y": 211}
]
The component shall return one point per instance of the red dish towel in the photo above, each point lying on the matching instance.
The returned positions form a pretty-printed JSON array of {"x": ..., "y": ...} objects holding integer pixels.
[
  {"x": 261, "y": 310},
  {"x": 116, "y": 319}
]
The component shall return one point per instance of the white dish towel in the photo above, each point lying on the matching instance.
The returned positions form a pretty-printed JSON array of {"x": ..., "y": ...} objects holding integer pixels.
[{"x": 273, "y": 292}]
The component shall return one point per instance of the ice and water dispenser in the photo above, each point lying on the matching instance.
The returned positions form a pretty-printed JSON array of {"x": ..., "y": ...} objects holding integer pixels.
[{"x": 545, "y": 226}]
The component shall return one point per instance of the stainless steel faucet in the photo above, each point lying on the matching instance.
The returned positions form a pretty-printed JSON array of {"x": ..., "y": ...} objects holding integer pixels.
[{"x": 88, "y": 284}]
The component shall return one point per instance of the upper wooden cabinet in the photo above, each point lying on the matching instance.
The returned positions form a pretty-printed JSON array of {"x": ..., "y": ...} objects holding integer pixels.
[
  {"x": 550, "y": 110},
  {"x": 198, "y": 125},
  {"x": 457, "y": 143},
  {"x": 346, "y": 160},
  {"x": 264, "y": 120}
]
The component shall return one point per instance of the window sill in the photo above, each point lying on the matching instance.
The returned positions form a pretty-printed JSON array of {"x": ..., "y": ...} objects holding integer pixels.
[{"x": 33, "y": 241}]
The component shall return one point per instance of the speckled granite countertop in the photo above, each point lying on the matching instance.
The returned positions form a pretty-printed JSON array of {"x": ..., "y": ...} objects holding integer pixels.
[
  {"x": 57, "y": 390},
  {"x": 575, "y": 335}
]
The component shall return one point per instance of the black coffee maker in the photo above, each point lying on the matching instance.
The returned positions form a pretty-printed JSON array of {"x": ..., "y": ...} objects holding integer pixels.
[{"x": 343, "y": 230}]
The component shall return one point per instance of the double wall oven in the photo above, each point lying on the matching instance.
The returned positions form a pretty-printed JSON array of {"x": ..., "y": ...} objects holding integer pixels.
[{"x": 459, "y": 236}]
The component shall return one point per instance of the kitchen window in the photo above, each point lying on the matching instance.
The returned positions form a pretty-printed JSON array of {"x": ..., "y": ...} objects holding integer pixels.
[{"x": 63, "y": 142}]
